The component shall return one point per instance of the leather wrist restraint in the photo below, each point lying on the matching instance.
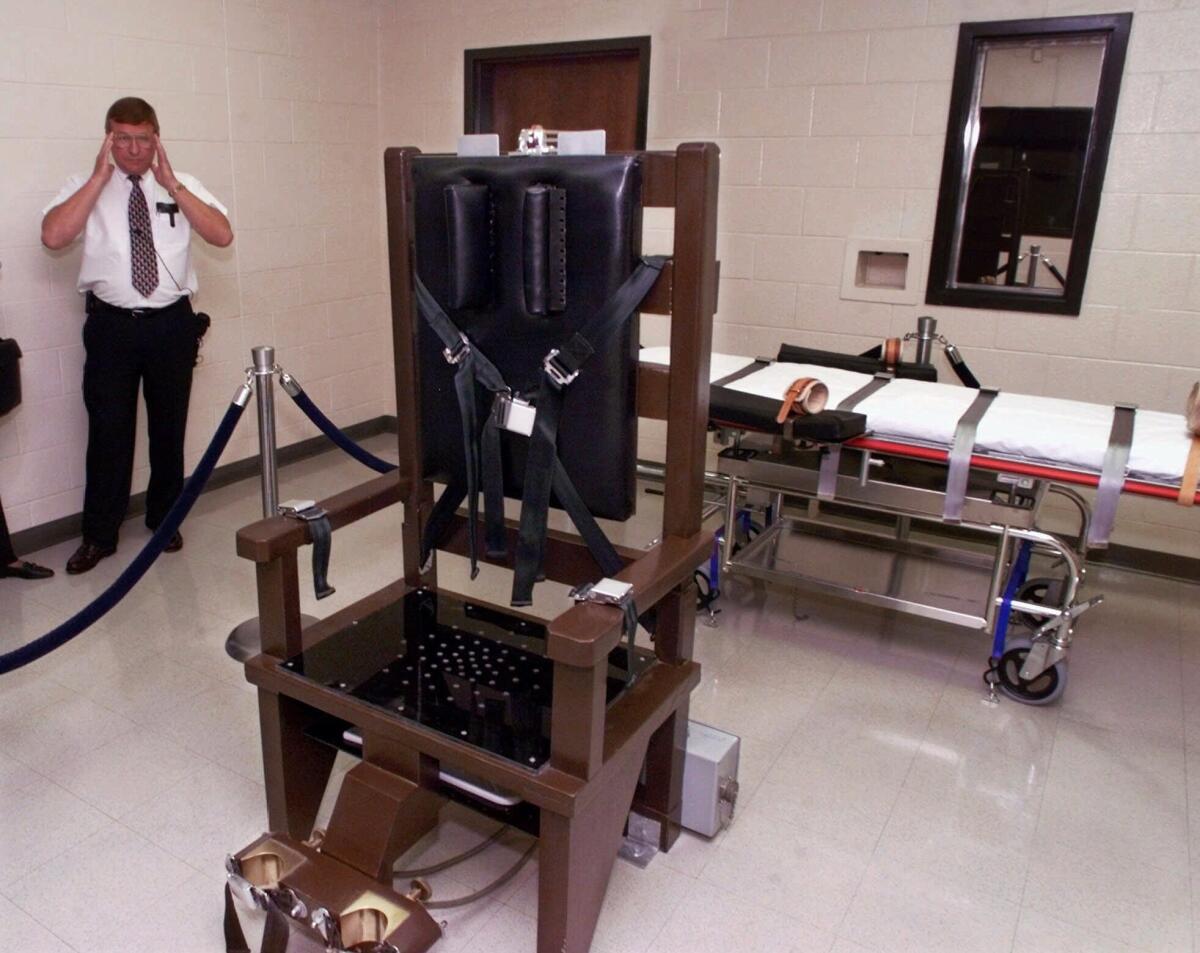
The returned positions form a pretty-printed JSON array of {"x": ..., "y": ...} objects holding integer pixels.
[
  {"x": 1191, "y": 470},
  {"x": 322, "y": 540},
  {"x": 806, "y": 395}
]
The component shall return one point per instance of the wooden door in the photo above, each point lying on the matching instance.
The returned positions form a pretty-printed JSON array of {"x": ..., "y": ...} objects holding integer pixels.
[{"x": 594, "y": 84}]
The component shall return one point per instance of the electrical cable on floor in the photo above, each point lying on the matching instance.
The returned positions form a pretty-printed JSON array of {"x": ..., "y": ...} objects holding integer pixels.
[
  {"x": 494, "y": 885},
  {"x": 457, "y": 859}
]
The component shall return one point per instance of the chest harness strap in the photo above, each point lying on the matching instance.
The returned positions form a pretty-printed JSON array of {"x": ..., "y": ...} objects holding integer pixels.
[{"x": 544, "y": 472}]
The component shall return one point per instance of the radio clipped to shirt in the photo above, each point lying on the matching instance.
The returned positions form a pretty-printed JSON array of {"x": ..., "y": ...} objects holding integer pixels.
[{"x": 170, "y": 209}]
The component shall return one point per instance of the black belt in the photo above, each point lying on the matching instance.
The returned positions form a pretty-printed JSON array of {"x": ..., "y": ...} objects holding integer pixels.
[{"x": 95, "y": 305}]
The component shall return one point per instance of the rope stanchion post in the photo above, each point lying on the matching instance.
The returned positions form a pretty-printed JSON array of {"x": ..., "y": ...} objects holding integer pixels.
[
  {"x": 926, "y": 335},
  {"x": 264, "y": 373},
  {"x": 245, "y": 641}
]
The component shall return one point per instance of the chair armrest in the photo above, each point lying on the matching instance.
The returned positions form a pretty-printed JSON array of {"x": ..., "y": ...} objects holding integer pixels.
[
  {"x": 277, "y": 536},
  {"x": 585, "y": 634}
]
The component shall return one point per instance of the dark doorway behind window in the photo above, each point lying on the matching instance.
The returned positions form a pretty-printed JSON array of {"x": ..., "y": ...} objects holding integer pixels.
[{"x": 592, "y": 84}]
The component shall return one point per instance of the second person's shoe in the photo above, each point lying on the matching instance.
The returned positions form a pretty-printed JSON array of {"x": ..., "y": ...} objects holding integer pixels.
[{"x": 84, "y": 559}]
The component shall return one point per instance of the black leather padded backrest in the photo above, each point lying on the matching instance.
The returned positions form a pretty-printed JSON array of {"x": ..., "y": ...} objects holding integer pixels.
[{"x": 519, "y": 251}]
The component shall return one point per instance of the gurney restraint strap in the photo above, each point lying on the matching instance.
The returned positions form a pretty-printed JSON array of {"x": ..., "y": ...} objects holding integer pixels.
[
  {"x": 827, "y": 486},
  {"x": 960, "y": 454},
  {"x": 1112, "y": 475},
  {"x": 758, "y": 365}
]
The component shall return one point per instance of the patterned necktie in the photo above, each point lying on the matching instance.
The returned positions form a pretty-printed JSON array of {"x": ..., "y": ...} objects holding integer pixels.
[{"x": 141, "y": 241}]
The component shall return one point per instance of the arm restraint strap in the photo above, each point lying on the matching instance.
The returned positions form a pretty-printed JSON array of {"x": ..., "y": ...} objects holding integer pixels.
[
  {"x": 322, "y": 542},
  {"x": 827, "y": 484},
  {"x": 562, "y": 365},
  {"x": 960, "y": 454},
  {"x": 1112, "y": 475}
]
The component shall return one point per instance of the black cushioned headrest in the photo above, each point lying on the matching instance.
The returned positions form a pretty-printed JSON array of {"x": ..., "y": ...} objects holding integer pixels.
[{"x": 520, "y": 251}]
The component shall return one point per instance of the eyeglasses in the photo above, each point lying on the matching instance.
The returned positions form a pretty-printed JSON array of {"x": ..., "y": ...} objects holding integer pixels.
[{"x": 123, "y": 140}]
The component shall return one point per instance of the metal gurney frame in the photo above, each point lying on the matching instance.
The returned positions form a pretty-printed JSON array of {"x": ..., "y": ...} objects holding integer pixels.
[{"x": 799, "y": 552}]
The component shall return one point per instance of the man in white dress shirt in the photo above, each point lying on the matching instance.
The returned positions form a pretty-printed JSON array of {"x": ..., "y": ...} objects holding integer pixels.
[{"x": 136, "y": 216}]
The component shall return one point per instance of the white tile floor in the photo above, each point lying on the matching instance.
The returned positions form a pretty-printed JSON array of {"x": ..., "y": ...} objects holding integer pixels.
[{"x": 885, "y": 807}]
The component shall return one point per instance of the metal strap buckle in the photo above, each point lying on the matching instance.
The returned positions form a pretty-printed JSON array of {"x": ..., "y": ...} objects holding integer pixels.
[
  {"x": 459, "y": 353},
  {"x": 608, "y": 592},
  {"x": 513, "y": 413},
  {"x": 306, "y": 510},
  {"x": 561, "y": 377}
]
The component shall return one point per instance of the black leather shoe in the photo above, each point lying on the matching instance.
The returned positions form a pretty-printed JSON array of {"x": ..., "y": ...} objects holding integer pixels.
[
  {"x": 174, "y": 544},
  {"x": 25, "y": 570},
  {"x": 84, "y": 559}
]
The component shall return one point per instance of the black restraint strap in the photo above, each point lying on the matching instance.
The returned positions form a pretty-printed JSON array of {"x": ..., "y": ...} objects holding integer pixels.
[
  {"x": 472, "y": 366},
  {"x": 322, "y": 543},
  {"x": 562, "y": 364},
  {"x": 275, "y": 934},
  {"x": 561, "y": 368},
  {"x": 495, "y": 538},
  {"x": 440, "y": 518},
  {"x": 235, "y": 938},
  {"x": 535, "y": 502}
]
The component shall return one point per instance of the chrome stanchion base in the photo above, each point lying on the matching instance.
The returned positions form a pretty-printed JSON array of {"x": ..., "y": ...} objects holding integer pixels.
[{"x": 244, "y": 642}]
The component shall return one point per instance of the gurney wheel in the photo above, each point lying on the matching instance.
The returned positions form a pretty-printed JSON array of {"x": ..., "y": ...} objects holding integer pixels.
[
  {"x": 1043, "y": 690},
  {"x": 1041, "y": 591}
]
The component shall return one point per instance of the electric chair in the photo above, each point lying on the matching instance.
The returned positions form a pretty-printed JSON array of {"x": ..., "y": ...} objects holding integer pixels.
[{"x": 512, "y": 281}]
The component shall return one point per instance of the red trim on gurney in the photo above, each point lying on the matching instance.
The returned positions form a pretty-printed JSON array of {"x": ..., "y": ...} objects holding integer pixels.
[{"x": 1010, "y": 466}]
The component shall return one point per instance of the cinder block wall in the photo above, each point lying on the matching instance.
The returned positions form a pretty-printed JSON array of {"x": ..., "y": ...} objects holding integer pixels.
[{"x": 831, "y": 119}]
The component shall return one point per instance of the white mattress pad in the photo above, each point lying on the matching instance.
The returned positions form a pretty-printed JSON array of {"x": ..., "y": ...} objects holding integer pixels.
[{"x": 1044, "y": 430}]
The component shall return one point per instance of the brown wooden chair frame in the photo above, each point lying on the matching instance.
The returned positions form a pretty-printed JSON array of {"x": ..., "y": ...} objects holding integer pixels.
[{"x": 587, "y": 787}]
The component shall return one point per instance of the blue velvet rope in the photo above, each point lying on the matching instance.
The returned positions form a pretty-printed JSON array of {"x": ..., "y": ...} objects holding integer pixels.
[
  {"x": 137, "y": 568},
  {"x": 327, "y": 427}
]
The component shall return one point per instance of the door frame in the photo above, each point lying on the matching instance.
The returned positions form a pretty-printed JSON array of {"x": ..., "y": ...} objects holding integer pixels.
[{"x": 476, "y": 71}]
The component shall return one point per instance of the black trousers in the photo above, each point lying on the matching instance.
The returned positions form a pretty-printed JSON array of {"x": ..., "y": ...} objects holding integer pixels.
[
  {"x": 153, "y": 349},
  {"x": 6, "y": 548}
]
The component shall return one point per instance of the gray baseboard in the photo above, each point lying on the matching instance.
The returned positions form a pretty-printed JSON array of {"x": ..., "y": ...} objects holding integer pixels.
[{"x": 70, "y": 527}]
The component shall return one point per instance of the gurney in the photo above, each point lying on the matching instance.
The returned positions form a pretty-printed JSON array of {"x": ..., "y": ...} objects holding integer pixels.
[{"x": 967, "y": 464}]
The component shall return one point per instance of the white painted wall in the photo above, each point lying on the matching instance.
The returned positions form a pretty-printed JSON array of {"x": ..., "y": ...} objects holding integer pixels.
[{"x": 830, "y": 115}]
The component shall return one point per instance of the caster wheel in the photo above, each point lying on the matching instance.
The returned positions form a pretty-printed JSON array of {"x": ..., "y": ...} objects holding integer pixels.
[
  {"x": 706, "y": 595},
  {"x": 1041, "y": 591},
  {"x": 1045, "y": 689}
]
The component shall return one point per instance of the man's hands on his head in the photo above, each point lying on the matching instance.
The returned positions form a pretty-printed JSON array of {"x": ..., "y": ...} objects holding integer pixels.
[
  {"x": 162, "y": 167},
  {"x": 62, "y": 224},
  {"x": 206, "y": 221},
  {"x": 103, "y": 169}
]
